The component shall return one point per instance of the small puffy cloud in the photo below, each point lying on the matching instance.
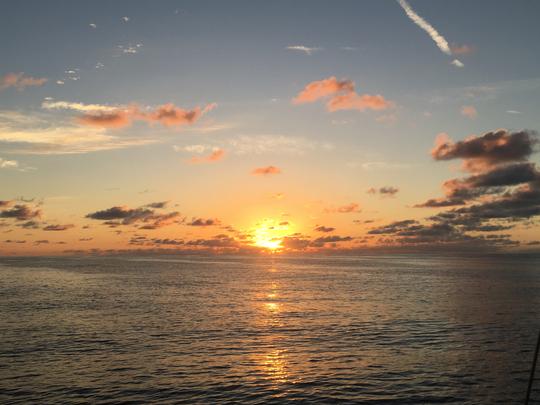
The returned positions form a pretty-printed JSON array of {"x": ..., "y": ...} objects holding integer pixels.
[
  {"x": 462, "y": 49},
  {"x": 322, "y": 228},
  {"x": 58, "y": 227},
  {"x": 343, "y": 209},
  {"x": 469, "y": 111},
  {"x": 302, "y": 48},
  {"x": 353, "y": 101},
  {"x": 8, "y": 164},
  {"x": 266, "y": 170},
  {"x": 341, "y": 95},
  {"x": 457, "y": 63},
  {"x": 323, "y": 88},
  {"x": 204, "y": 222},
  {"x": 387, "y": 191},
  {"x": 125, "y": 19},
  {"x": 116, "y": 119},
  {"x": 214, "y": 156},
  {"x": 92, "y": 25},
  {"x": 20, "y": 81}
]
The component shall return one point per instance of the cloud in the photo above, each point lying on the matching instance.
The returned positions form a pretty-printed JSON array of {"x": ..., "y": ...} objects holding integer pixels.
[
  {"x": 513, "y": 112},
  {"x": 125, "y": 19},
  {"x": 215, "y": 156},
  {"x": 68, "y": 105},
  {"x": 439, "y": 40},
  {"x": 469, "y": 111},
  {"x": 116, "y": 119},
  {"x": 19, "y": 81},
  {"x": 305, "y": 49},
  {"x": 486, "y": 150},
  {"x": 342, "y": 96},
  {"x": 32, "y": 134},
  {"x": 462, "y": 49},
  {"x": 93, "y": 25},
  {"x": 204, "y": 222},
  {"x": 58, "y": 227},
  {"x": 323, "y": 88},
  {"x": 387, "y": 191},
  {"x": 168, "y": 115},
  {"x": 320, "y": 242},
  {"x": 21, "y": 212},
  {"x": 353, "y": 101},
  {"x": 343, "y": 209},
  {"x": 457, "y": 63},
  {"x": 145, "y": 217},
  {"x": 322, "y": 228},
  {"x": 265, "y": 171},
  {"x": 8, "y": 164},
  {"x": 158, "y": 204},
  {"x": 503, "y": 190}
]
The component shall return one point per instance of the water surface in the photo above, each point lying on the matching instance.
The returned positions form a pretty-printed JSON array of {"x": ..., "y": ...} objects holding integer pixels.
[{"x": 400, "y": 329}]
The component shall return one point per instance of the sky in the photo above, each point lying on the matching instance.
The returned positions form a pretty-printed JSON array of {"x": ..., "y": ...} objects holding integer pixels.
[{"x": 255, "y": 127}]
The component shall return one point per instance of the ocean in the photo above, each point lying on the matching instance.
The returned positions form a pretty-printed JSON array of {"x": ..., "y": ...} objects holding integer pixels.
[{"x": 384, "y": 329}]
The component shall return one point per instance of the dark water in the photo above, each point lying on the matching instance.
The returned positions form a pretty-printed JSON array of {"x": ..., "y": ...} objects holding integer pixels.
[{"x": 388, "y": 329}]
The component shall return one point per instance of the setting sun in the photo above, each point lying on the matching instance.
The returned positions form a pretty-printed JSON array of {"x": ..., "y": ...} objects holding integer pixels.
[{"x": 269, "y": 234}]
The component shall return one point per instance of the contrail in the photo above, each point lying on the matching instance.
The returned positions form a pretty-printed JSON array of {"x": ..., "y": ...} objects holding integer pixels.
[{"x": 438, "y": 38}]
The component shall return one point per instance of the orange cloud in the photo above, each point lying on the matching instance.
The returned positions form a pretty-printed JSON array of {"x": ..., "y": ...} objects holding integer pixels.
[
  {"x": 215, "y": 156},
  {"x": 342, "y": 96},
  {"x": 344, "y": 209},
  {"x": 116, "y": 119},
  {"x": 20, "y": 81},
  {"x": 461, "y": 49},
  {"x": 323, "y": 88},
  {"x": 264, "y": 171},
  {"x": 469, "y": 111},
  {"x": 167, "y": 114},
  {"x": 353, "y": 101}
]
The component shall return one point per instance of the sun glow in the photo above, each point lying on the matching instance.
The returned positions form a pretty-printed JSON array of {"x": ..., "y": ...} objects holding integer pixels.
[{"x": 269, "y": 234}]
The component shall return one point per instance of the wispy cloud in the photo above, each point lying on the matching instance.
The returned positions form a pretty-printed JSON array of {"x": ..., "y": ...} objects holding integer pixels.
[
  {"x": 265, "y": 171},
  {"x": 33, "y": 134},
  {"x": 214, "y": 156},
  {"x": 67, "y": 105},
  {"x": 302, "y": 48},
  {"x": 439, "y": 40},
  {"x": 8, "y": 164},
  {"x": 20, "y": 81},
  {"x": 469, "y": 111}
]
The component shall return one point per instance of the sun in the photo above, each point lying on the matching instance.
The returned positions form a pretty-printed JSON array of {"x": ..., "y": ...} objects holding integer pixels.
[{"x": 268, "y": 234}]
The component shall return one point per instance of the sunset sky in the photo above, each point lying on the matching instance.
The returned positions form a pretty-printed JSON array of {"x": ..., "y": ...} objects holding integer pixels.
[{"x": 269, "y": 126}]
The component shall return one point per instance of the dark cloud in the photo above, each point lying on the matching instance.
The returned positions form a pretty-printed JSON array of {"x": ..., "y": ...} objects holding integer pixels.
[
  {"x": 20, "y": 212},
  {"x": 157, "y": 205},
  {"x": 218, "y": 241},
  {"x": 58, "y": 227},
  {"x": 204, "y": 222},
  {"x": 387, "y": 191},
  {"x": 490, "y": 149},
  {"x": 322, "y": 228},
  {"x": 320, "y": 242},
  {"x": 30, "y": 225},
  {"x": 121, "y": 215}
]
